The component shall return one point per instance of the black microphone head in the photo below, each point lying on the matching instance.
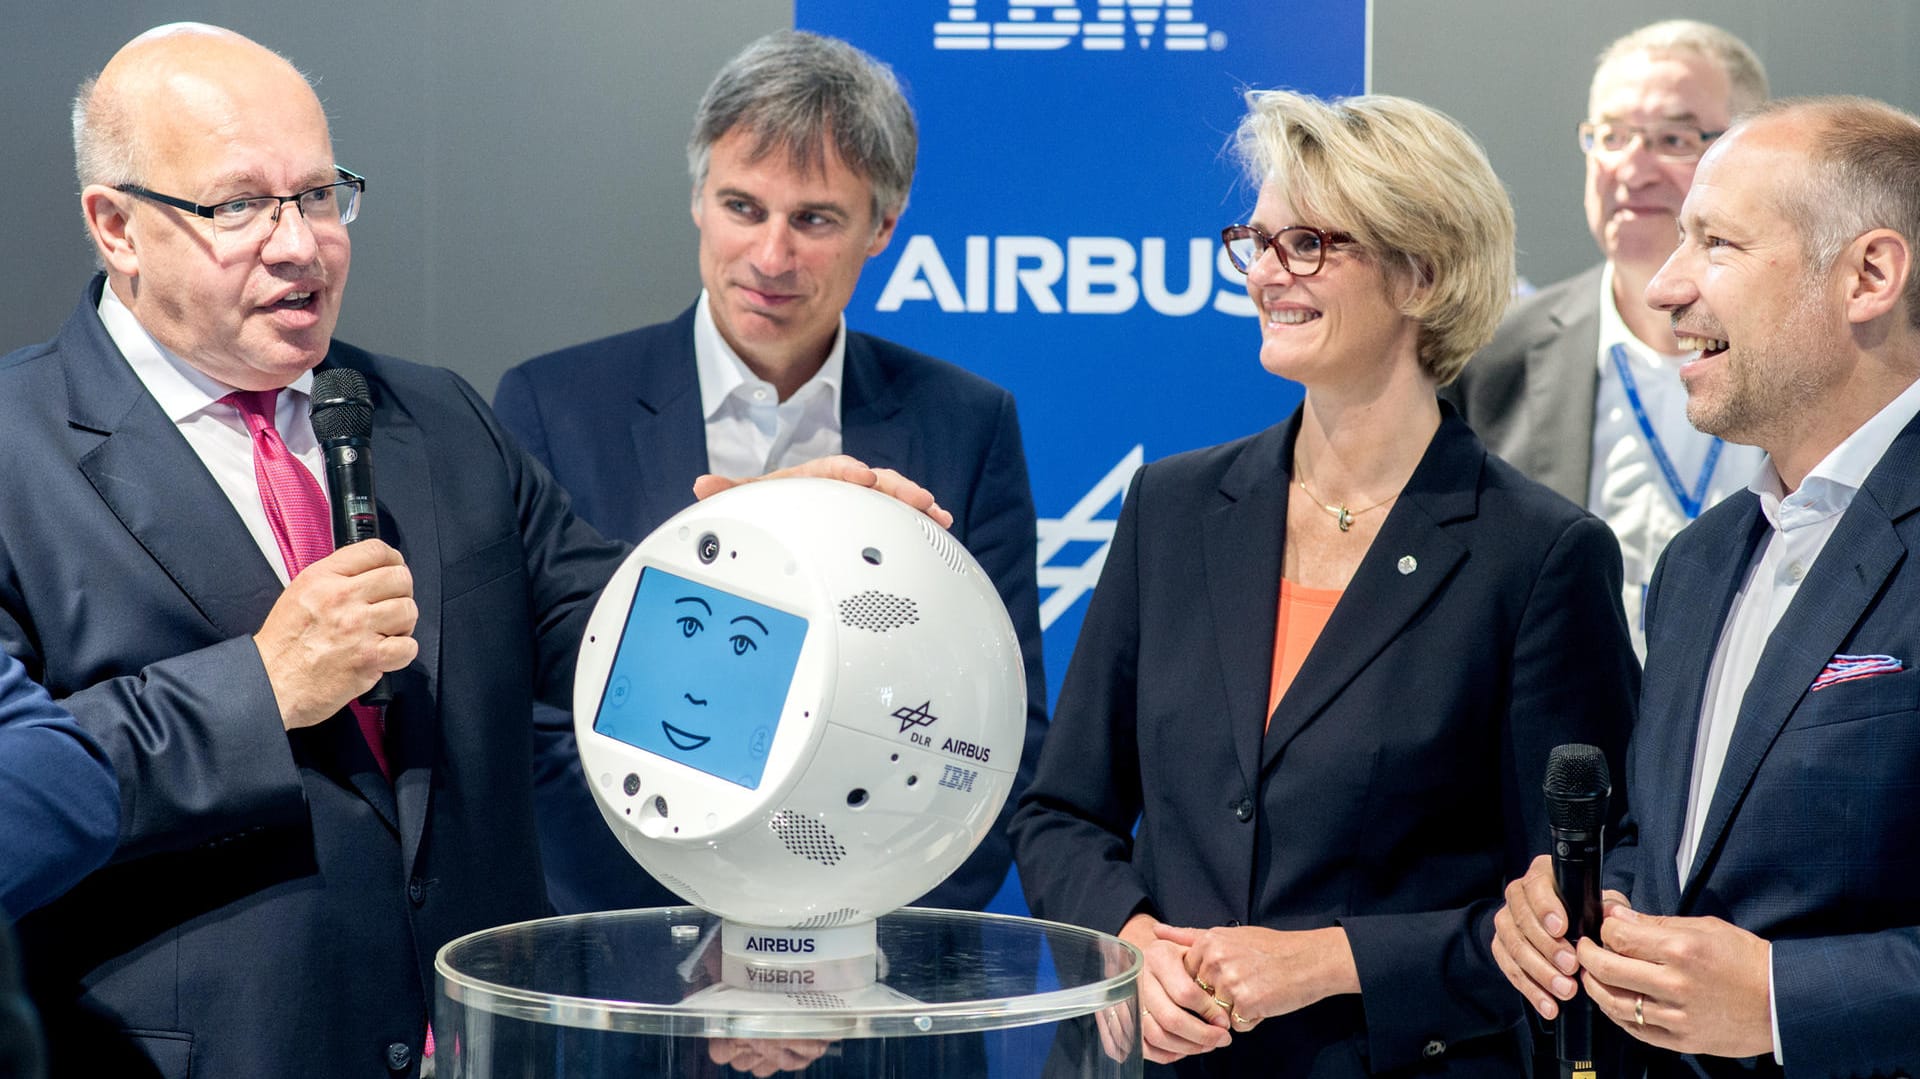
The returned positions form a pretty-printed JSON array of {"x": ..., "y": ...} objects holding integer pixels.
[
  {"x": 342, "y": 406},
  {"x": 1577, "y": 786}
]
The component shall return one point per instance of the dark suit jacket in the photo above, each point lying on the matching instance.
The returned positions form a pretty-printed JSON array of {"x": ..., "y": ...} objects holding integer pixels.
[
  {"x": 59, "y": 803},
  {"x": 1809, "y": 837},
  {"x": 1399, "y": 783},
  {"x": 618, "y": 422},
  {"x": 1529, "y": 394},
  {"x": 275, "y": 904}
]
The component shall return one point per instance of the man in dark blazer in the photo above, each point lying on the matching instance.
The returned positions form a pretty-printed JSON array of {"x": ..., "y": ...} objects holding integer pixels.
[
  {"x": 762, "y": 372},
  {"x": 1766, "y": 919},
  {"x": 1579, "y": 388},
  {"x": 286, "y": 868}
]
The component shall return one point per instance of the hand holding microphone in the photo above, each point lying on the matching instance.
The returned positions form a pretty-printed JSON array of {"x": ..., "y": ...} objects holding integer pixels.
[{"x": 342, "y": 411}]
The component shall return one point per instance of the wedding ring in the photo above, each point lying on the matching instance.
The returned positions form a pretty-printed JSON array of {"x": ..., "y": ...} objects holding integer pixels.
[
  {"x": 1204, "y": 987},
  {"x": 1640, "y": 1010},
  {"x": 1223, "y": 1005},
  {"x": 1238, "y": 1019}
]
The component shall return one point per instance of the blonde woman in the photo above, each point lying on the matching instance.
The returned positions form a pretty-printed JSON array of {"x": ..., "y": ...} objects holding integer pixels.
[{"x": 1300, "y": 745}]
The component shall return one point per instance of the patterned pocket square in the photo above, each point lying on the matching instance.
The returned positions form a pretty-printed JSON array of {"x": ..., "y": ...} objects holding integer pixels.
[{"x": 1848, "y": 668}]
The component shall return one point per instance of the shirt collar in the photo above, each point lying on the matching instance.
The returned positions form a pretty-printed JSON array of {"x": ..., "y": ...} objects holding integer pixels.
[
  {"x": 722, "y": 371},
  {"x": 1614, "y": 331},
  {"x": 1832, "y": 484},
  {"x": 181, "y": 389}
]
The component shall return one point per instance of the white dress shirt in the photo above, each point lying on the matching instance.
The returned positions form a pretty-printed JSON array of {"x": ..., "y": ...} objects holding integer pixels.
[
  {"x": 1802, "y": 522},
  {"x": 750, "y": 431},
  {"x": 216, "y": 431},
  {"x": 1627, "y": 488}
]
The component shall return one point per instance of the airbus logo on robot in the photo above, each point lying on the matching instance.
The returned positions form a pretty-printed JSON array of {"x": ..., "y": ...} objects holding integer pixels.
[
  {"x": 1090, "y": 275},
  {"x": 1043, "y": 25}
]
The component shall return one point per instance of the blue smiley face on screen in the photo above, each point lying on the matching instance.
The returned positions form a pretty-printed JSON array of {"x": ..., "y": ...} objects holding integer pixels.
[{"x": 701, "y": 676}]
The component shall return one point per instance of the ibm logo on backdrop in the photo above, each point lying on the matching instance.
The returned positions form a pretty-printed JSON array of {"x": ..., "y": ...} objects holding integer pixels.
[{"x": 1057, "y": 24}]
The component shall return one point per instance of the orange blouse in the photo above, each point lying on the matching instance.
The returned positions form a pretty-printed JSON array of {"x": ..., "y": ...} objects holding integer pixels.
[{"x": 1303, "y": 614}]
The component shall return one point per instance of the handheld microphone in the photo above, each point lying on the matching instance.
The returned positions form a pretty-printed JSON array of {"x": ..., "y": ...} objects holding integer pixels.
[
  {"x": 1577, "y": 786},
  {"x": 343, "y": 423}
]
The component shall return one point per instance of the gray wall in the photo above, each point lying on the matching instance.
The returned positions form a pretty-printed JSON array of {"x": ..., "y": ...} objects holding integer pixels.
[
  {"x": 1516, "y": 72},
  {"x": 527, "y": 179},
  {"x": 528, "y": 188}
]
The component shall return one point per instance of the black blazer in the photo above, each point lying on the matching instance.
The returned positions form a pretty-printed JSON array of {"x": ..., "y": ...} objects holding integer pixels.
[
  {"x": 1399, "y": 784},
  {"x": 275, "y": 904},
  {"x": 618, "y": 422},
  {"x": 1809, "y": 838}
]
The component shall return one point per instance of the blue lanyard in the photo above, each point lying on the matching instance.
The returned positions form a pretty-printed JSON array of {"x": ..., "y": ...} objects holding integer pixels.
[{"x": 1689, "y": 505}]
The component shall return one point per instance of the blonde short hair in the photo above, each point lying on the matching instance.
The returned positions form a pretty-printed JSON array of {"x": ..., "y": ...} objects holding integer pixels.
[{"x": 1412, "y": 187}]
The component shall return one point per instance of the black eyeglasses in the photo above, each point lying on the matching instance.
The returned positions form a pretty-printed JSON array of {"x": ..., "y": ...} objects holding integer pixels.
[
  {"x": 1302, "y": 249},
  {"x": 250, "y": 219},
  {"x": 1671, "y": 141}
]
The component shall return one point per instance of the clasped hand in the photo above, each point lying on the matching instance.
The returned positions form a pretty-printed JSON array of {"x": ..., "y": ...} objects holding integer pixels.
[
  {"x": 1198, "y": 987},
  {"x": 1690, "y": 985}
]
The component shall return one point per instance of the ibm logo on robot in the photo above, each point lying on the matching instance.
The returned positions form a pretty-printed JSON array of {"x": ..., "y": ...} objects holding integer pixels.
[{"x": 1040, "y": 25}]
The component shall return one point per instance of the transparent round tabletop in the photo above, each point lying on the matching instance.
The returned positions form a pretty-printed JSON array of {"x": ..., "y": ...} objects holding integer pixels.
[{"x": 656, "y": 972}]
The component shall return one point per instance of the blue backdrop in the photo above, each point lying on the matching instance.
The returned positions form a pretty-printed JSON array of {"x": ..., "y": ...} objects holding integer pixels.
[{"x": 1063, "y": 234}]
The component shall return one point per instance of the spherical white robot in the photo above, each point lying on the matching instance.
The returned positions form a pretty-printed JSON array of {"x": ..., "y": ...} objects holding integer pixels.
[{"x": 800, "y": 705}]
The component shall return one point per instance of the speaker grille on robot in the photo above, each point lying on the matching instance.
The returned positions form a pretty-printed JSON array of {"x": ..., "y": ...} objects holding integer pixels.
[
  {"x": 878, "y": 611},
  {"x": 945, "y": 546},
  {"x": 830, "y": 919},
  {"x": 681, "y": 888},
  {"x": 806, "y": 837}
]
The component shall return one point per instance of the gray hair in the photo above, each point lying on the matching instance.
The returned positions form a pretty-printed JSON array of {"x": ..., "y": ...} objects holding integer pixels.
[
  {"x": 792, "y": 91},
  {"x": 1862, "y": 173},
  {"x": 1746, "y": 78}
]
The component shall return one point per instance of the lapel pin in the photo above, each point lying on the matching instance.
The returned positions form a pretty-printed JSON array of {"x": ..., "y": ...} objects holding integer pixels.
[{"x": 1408, "y": 564}]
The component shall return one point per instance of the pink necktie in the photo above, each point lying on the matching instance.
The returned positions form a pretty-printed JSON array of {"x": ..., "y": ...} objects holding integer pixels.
[{"x": 302, "y": 524}]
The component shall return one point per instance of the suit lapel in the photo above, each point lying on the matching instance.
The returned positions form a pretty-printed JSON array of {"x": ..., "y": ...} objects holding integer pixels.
[
  {"x": 867, "y": 408},
  {"x": 1699, "y": 578},
  {"x": 668, "y": 433},
  {"x": 1409, "y": 561},
  {"x": 1240, "y": 541},
  {"x": 185, "y": 522},
  {"x": 1852, "y": 569}
]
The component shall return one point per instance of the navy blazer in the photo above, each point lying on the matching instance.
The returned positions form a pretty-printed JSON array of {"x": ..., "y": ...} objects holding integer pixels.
[
  {"x": 1809, "y": 838},
  {"x": 618, "y": 422},
  {"x": 1398, "y": 784},
  {"x": 275, "y": 904},
  {"x": 59, "y": 802}
]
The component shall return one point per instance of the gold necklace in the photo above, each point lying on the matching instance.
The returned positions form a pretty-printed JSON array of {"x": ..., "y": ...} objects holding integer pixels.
[{"x": 1338, "y": 510}]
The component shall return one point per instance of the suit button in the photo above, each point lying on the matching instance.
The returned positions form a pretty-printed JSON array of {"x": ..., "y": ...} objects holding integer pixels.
[
  {"x": 417, "y": 892},
  {"x": 1243, "y": 809},
  {"x": 399, "y": 1056},
  {"x": 1233, "y": 921},
  {"x": 1434, "y": 1048}
]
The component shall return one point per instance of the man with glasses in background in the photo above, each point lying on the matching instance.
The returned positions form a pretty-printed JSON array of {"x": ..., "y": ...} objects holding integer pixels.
[
  {"x": 290, "y": 858},
  {"x": 1580, "y": 389}
]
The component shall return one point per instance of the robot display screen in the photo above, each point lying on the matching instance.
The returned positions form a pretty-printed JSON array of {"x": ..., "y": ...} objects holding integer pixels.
[{"x": 701, "y": 676}]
